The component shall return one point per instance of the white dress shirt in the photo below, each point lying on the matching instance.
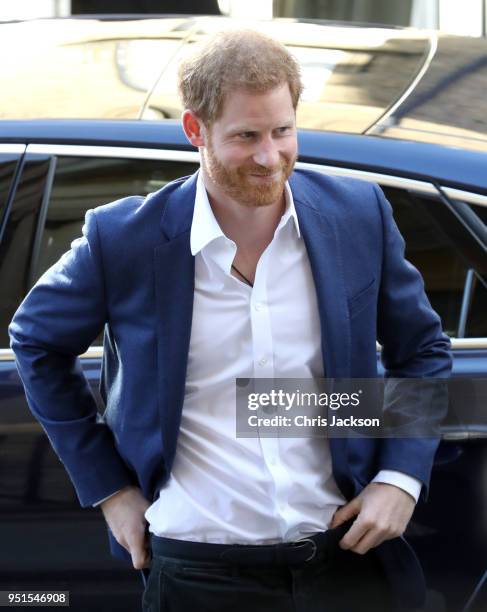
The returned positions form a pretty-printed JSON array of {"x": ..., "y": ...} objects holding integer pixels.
[{"x": 225, "y": 489}]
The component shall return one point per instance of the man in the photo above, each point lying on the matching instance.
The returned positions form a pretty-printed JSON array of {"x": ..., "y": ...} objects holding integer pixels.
[{"x": 236, "y": 272}]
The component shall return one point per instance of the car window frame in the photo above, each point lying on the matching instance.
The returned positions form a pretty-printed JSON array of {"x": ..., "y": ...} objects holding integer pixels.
[{"x": 419, "y": 186}]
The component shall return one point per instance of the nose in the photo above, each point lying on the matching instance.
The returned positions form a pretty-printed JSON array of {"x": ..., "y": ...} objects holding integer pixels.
[{"x": 267, "y": 153}]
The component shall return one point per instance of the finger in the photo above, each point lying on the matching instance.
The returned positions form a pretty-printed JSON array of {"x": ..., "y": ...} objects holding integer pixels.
[
  {"x": 146, "y": 561},
  {"x": 140, "y": 557},
  {"x": 345, "y": 513},
  {"x": 139, "y": 549},
  {"x": 370, "y": 540},
  {"x": 354, "y": 534}
]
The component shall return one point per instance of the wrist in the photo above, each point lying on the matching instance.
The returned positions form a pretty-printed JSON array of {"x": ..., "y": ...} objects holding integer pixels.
[{"x": 116, "y": 496}]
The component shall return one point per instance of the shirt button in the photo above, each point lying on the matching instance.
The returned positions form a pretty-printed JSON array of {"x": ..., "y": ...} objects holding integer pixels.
[
  {"x": 259, "y": 306},
  {"x": 262, "y": 361}
]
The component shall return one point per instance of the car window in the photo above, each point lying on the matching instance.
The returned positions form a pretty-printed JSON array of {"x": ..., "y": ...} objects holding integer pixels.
[
  {"x": 476, "y": 308},
  {"x": 480, "y": 211},
  {"x": 441, "y": 264},
  {"x": 81, "y": 183},
  {"x": 475, "y": 296},
  {"x": 8, "y": 164},
  {"x": 350, "y": 77},
  {"x": 345, "y": 88},
  {"x": 18, "y": 239}
]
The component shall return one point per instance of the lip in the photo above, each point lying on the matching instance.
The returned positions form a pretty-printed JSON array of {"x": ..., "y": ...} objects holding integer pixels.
[{"x": 266, "y": 177}]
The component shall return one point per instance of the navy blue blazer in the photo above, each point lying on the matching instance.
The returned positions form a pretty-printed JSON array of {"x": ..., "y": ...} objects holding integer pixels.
[{"x": 132, "y": 273}]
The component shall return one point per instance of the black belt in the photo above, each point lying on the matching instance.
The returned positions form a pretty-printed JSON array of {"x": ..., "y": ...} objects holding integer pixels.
[{"x": 316, "y": 547}]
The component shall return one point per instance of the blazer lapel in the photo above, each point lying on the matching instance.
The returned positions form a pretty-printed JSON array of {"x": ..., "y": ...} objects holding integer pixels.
[
  {"x": 319, "y": 230},
  {"x": 174, "y": 291}
]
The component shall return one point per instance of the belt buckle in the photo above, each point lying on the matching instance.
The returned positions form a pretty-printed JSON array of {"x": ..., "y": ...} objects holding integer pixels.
[{"x": 313, "y": 551}]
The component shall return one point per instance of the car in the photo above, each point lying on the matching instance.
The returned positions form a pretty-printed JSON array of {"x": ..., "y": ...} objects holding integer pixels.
[{"x": 400, "y": 108}]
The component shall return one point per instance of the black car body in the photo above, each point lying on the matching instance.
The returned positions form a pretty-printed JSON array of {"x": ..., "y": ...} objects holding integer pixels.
[{"x": 385, "y": 102}]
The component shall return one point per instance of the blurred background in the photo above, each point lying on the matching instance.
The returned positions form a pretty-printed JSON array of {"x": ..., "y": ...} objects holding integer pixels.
[{"x": 467, "y": 17}]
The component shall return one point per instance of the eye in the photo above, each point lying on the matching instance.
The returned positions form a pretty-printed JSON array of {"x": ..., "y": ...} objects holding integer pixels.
[
  {"x": 246, "y": 135},
  {"x": 284, "y": 129}
]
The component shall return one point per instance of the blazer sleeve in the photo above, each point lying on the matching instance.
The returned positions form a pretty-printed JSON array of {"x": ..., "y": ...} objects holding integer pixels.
[
  {"x": 57, "y": 321},
  {"x": 413, "y": 345}
]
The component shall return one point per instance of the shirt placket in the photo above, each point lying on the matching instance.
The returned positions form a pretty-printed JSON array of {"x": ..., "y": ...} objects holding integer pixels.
[{"x": 264, "y": 367}]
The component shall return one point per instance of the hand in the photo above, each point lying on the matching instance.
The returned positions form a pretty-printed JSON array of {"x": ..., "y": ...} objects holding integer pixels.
[
  {"x": 383, "y": 512},
  {"x": 124, "y": 513}
]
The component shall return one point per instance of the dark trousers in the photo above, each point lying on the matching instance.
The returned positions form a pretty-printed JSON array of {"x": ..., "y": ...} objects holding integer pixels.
[{"x": 314, "y": 577}]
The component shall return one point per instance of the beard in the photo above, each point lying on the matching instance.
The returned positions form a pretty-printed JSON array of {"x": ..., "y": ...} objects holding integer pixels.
[{"x": 239, "y": 184}]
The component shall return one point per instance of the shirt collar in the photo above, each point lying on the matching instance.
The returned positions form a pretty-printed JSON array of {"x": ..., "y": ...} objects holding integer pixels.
[
  {"x": 205, "y": 228},
  {"x": 290, "y": 212}
]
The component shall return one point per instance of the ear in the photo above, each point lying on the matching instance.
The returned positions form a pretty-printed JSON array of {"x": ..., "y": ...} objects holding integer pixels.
[{"x": 193, "y": 128}]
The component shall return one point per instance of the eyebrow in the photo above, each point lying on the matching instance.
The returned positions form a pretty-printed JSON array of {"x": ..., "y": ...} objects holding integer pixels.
[{"x": 245, "y": 128}]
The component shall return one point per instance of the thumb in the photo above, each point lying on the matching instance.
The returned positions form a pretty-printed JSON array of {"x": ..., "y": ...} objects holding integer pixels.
[
  {"x": 140, "y": 557},
  {"x": 345, "y": 513},
  {"x": 139, "y": 551}
]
